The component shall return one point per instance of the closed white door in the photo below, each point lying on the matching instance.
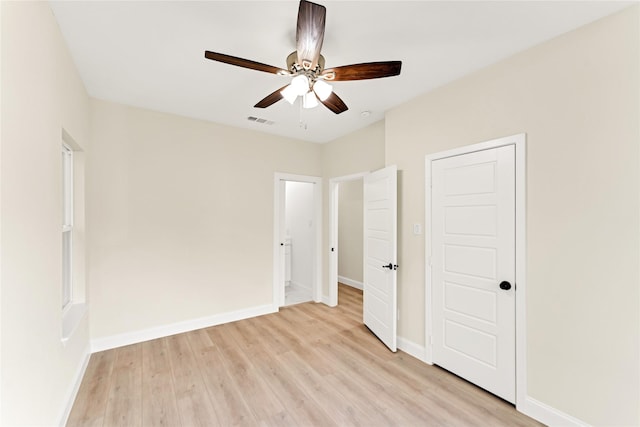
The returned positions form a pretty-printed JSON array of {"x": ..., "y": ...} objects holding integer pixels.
[
  {"x": 473, "y": 267},
  {"x": 379, "y": 253}
]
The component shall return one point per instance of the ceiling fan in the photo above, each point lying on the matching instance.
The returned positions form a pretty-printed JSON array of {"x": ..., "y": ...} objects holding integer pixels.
[{"x": 306, "y": 66}]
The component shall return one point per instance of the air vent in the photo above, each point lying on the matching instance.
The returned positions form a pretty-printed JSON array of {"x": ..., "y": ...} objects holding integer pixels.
[{"x": 259, "y": 120}]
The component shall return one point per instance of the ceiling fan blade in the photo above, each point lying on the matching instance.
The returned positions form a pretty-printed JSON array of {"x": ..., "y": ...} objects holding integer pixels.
[
  {"x": 270, "y": 99},
  {"x": 310, "y": 33},
  {"x": 334, "y": 103},
  {"x": 245, "y": 63},
  {"x": 369, "y": 70}
]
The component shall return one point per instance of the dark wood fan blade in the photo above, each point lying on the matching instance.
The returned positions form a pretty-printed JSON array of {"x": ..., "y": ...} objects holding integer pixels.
[
  {"x": 369, "y": 70},
  {"x": 270, "y": 99},
  {"x": 334, "y": 103},
  {"x": 245, "y": 63},
  {"x": 310, "y": 33}
]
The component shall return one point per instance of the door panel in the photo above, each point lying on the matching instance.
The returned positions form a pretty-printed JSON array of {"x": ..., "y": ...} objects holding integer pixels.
[
  {"x": 473, "y": 250},
  {"x": 470, "y": 301},
  {"x": 470, "y": 342},
  {"x": 470, "y": 261},
  {"x": 379, "y": 291},
  {"x": 484, "y": 223}
]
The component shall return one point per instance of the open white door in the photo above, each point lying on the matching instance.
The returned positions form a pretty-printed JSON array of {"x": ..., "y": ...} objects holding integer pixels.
[{"x": 380, "y": 251}]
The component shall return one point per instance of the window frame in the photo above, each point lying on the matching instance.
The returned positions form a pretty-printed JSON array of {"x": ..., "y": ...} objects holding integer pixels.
[{"x": 67, "y": 226}]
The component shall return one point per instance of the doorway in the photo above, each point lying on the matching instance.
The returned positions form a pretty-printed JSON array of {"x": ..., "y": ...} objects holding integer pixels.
[
  {"x": 350, "y": 238},
  {"x": 297, "y": 228},
  {"x": 475, "y": 321},
  {"x": 352, "y": 187},
  {"x": 298, "y": 242}
]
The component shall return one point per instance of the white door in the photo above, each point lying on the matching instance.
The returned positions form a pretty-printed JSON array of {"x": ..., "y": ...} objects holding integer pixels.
[
  {"x": 379, "y": 252},
  {"x": 473, "y": 267}
]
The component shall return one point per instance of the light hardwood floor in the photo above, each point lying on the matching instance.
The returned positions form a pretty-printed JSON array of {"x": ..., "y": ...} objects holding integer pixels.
[{"x": 308, "y": 365}]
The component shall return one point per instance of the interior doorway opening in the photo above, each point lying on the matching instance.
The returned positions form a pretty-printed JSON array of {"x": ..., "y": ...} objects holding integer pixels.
[
  {"x": 297, "y": 226},
  {"x": 346, "y": 264},
  {"x": 350, "y": 235},
  {"x": 298, "y": 242}
]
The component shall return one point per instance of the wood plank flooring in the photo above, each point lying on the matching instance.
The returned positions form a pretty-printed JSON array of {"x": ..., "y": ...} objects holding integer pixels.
[{"x": 308, "y": 365}]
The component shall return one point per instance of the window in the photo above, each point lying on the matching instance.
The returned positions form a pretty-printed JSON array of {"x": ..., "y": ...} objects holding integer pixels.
[
  {"x": 72, "y": 290},
  {"x": 67, "y": 225}
]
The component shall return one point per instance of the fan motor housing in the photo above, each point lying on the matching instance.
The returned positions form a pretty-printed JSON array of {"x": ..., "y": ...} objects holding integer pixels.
[{"x": 294, "y": 67}]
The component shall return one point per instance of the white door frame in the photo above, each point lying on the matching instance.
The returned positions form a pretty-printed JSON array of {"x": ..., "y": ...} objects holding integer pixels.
[
  {"x": 519, "y": 141},
  {"x": 333, "y": 232},
  {"x": 278, "y": 248}
]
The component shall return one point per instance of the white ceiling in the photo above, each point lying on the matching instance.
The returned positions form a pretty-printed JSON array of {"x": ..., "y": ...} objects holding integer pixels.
[{"x": 150, "y": 54}]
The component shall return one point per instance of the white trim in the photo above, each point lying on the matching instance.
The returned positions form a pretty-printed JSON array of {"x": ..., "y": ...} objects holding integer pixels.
[
  {"x": 519, "y": 141},
  {"x": 72, "y": 315},
  {"x": 350, "y": 282},
  {"x": 278, "y": 249},
  {"x": 352, "y": 177},
  {"x": 68, "y": 187},
  {"x": 135, "y": 337},
  {"x": 412, "y": 349},
  {"x": 334, "y": 196},
  {"x": 333, "y": 232},
  {"x": 548, "y": 415},
  {"x": 299, "y": 286},
  {"x": 68, "y": 203},
  {"x": 521, "y": 269},
  {"x": 75, "y": 387}
]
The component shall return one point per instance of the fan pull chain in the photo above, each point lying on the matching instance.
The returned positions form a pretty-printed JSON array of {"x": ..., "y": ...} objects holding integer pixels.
[{"x": 302, "y": 124}]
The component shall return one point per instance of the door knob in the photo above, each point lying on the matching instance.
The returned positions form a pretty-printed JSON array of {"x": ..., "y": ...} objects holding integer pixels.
[
  {"x": 389, "y": 266},
  {"x": 505, "y": 286}
]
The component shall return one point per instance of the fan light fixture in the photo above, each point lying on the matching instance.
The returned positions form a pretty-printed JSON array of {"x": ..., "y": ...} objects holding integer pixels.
[
  {"x": 300, "y": 86},
  {"x": 322, "y": 89},
  {"x": 309, "y": 100},
  {"x": 290, "y": 94}
]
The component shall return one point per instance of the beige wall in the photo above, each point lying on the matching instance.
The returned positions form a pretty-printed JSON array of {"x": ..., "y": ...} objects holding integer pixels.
[
  {"x": 41, "y": 95},
  {"x": 576, "y": 97},
  {"x": 361, "y": 151},
  {"x": 182, "y": 217},
  {"x": 350, "y": 239}
]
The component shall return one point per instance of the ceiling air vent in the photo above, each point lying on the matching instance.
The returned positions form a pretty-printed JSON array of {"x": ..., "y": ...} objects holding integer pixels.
[{"x": 259, "y": 120}]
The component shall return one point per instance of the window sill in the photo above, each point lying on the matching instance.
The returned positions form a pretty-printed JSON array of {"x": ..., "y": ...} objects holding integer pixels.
[{"x": 71, "y": 318}]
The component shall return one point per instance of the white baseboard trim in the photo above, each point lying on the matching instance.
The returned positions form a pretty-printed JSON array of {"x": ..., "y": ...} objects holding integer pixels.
[
  {"x": 531, "y": 407},
  {"x": 73, "y": 392},
  {"x": 548, "y": 415},
  {"x": 350, "y": 282},
  {"x": 135, "y": 337},
  {"x": 411, "y": 348},
  {"x": 300, "y": 286}
]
